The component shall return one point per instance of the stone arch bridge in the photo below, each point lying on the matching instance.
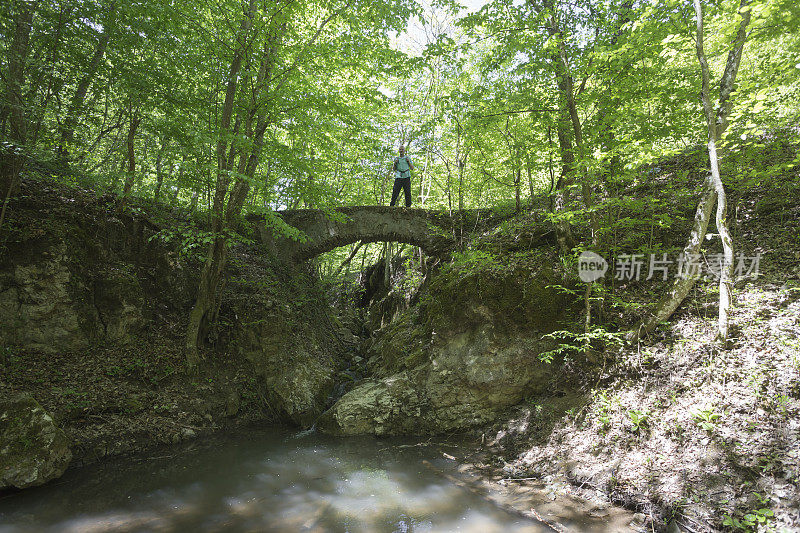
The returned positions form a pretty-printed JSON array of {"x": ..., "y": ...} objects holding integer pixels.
[{"x": 436, "y": 232}]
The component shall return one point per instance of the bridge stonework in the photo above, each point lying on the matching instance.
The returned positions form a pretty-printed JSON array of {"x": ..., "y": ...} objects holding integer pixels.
[{"x": 435, "y": 232}]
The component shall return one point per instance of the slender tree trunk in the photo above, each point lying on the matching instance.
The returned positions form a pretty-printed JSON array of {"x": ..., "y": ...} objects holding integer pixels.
[
  {"x": 682, "y": 285},
  {"x": 53, "y": 86},
  {"x": 207, "y": 303},
  {"x": 387, "y": 265},
  {"x": 350, "y": 257},
  {"x": 159, "y": 173},
  {"x": 67, "y": 129},
  {"x": 178, "y": 182},
  {"x": 193, "y": 201},
  {"x": 112, "y": 187},
  {"x": 217, "y": 252},
  {"x": 726, "y": 270},
  {"x": 712, "y": 188},
  {"x": 563, "y": 231},
  {"x": 715, "y": 125},
  {"x": 565, "y": 119},
  {"x": 529, "y": 174},
  {"x": 12, "y": 158},
  {"x": 133, "y": 124}
]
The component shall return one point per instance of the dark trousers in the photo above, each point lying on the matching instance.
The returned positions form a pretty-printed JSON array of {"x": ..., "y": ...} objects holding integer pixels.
[{"x": 405, "y": 184}]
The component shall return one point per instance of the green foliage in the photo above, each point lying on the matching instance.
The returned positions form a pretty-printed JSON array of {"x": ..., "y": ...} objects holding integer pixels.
[
  {"x": 752, "y": 520},
  {"x": 640, "y": 420},
  {"x": 471, "y": 262},
  {"x": 10, "y": 359},
  {"x": 192, "y": 243},
  {"x": 571, "y": 343},
  {"x": 604, "y": 406},
  {"x": 76, "y": 401},
  {"x": 277, "y": 225},
  {"x": 706, "y": 419}
]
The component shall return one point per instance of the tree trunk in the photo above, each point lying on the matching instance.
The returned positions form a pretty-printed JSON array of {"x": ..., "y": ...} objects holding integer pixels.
[
  {"x": 350, "y": 257},
  {"x": 12, "y": 158},
  {"x": 712, "y": 188},
  {"x": 564, "y": 81},
  {"x": 217, "y": 251},
  {"x": 716, "y": 123},
  {"x": 563, "y": 231},
  {"x": 193, "y": 201},
  {"x": 207, "y": 302},
  {"x": 67, "y": 129},
  {"x": 133, "y": 124},
  {"x": 112, "y": 187},
  {"x": 159, "y": 173},
  {"x": 682, "y": 285},
  {"x": 174, "y": 198}
]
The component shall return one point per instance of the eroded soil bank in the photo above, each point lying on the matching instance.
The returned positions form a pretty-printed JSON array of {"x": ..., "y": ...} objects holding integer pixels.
[{"x": 93, "y": 307}]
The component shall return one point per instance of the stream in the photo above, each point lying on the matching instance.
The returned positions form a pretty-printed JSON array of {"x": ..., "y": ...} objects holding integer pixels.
[{"x": 261, "y": 480}]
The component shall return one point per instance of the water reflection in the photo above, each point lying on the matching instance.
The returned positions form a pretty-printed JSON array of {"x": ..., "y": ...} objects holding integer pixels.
[{"x": 264, "y": 480}]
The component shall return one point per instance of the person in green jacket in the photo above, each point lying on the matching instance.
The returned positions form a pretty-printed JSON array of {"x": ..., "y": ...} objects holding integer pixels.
[{"x": 402, "y": 167}]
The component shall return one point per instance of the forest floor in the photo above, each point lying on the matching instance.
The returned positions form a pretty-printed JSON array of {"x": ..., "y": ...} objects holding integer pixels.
[{"x": 676, "y": 427}]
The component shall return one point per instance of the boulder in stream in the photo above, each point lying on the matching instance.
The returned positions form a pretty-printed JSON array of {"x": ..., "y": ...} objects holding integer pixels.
[
  {"x": 33, "y": 450},
  {"x": 466, "y": 381}
]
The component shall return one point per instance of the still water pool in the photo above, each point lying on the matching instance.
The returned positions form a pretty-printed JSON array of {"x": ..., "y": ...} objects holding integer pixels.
[{"x": 261, "y": 480}]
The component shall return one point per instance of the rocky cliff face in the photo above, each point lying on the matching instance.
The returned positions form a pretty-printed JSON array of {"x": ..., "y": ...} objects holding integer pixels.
[
  {"x": 288, "y": 338},
  {"x": 76, "y": 275},
  {"x": 474, "y": 347}
]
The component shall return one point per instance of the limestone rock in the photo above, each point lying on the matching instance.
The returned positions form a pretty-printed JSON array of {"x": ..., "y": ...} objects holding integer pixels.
[
  {"x": 302, "y": 387},
  {"x": 33, "y": 450},
  {"x": 469, "y": 378},
  {"x": 472, "y": 351},
  {"x": 51, "y": 305},
  {"x": 36, "y": 309},
  {"x": 297, "y": 373}
]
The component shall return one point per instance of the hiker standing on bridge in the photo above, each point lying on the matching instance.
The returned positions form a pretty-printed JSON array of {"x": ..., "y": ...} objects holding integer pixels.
[{"x": 402, "y": 167}]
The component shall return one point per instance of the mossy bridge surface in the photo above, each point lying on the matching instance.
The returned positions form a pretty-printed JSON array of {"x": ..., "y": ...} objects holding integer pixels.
[{"x": 436, "y": 232}]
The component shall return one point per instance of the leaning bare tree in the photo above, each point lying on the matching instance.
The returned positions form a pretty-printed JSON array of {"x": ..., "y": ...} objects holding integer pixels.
[{"x": 713, "y": 190}]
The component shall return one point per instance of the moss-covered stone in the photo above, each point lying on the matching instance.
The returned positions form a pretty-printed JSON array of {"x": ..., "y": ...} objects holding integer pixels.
[
  {"x": 281, "y": 331},
  {"x": 71, "y": 278},
  {"x": 472, "y": 350},
  {"x": 33, "y": 450},
  {"x": 514, "y": 291}
]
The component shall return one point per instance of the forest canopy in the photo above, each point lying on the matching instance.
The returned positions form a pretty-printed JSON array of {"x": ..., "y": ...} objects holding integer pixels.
[
  {"x": 133, "y": 94},
  {"x": 232, "y": 107}
]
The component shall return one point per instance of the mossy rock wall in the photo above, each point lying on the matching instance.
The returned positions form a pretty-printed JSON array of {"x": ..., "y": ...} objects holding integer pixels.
[
  {"x": 33, "y": 450},
  {"x": 472, "y": 349},
  {"x": 81, "y": 274},
  {"x": 282, "y": 327}
]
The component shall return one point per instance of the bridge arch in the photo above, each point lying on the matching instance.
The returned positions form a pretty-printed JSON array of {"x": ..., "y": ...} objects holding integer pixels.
[{"x": 433, "y": 231}]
